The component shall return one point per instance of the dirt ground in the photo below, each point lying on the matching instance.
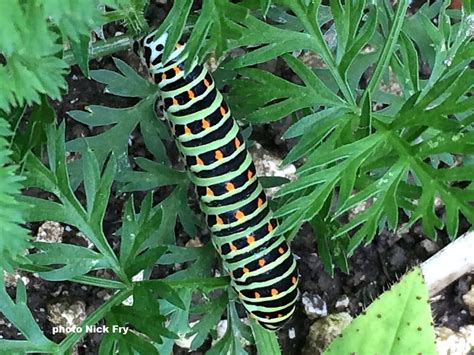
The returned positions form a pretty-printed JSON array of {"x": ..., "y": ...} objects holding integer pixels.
[{"x": 373, "y": 268}]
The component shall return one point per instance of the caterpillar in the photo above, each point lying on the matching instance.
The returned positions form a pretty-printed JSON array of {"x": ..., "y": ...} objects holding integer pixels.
[{"x": 262, "y": 269}]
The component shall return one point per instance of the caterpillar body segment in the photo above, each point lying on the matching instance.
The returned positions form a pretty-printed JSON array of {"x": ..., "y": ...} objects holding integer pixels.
[{"x": 262, "y": 268}]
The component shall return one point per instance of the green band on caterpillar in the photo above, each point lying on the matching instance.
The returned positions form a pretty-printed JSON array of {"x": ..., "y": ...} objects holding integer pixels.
[{"x": 262, "y": 268}]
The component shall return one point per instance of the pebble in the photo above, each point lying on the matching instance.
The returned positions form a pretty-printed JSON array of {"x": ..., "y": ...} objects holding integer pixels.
[
  {"x": 323, "y": 331},
  {"x": 455, "y": 343},
  {"x": 67, "y": 314},
  {"x": 268, "y": 164},
  {"x": 314, "y": 306},
  {"x": 50, "y": 232},
  {"x": 291, "y": 333},
  {"x": 468, "y": 299},
  {"x": 429, "y": 246},
  {"x": 342, "y": 302}
]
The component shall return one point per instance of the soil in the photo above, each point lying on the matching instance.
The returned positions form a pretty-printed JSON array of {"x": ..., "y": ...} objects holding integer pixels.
[{"x": 373, "y": 268}]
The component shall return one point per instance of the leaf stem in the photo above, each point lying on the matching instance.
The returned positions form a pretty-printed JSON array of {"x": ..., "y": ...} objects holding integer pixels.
[
  {"x": 102, "y": 48},
  {"x": 85, "y": 280},
  {"x": 96, "y": 316}
]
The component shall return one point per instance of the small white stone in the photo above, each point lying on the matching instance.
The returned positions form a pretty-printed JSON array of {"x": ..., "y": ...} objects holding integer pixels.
[
  {"x": 468, "y": 299},
  {"x": 67, "y": 314},
  {"x": 342, "y": 302},
  {"x": 268, "y": 164},
  {"x": 50, "y": 232},
  {"x": 291, "y": 333},
  {"x": 429, "y": 246},
  {"x": 455, "y": 343},
  {"x": 314, "y": 306}
]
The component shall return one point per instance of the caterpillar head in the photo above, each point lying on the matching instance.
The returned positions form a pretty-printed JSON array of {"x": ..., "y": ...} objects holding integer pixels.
[{"x": 150, "y": 49}]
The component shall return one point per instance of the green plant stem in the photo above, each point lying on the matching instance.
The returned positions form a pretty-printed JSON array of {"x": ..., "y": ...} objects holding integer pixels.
[
  {"x": 116, "y": 15},
  {"x": 85, "y": 280},
  {"x": 387, "y": 51},
  {"x": 110, "y": 255},
  {"x": 198, "y": 282},
  {"x": 96, "y": 316},
  {"x": 102, "y": 48}
]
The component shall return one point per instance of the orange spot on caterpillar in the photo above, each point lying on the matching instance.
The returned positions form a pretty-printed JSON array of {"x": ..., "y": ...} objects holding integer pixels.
[
  {"x": 219, "y": 220},
  {"x": 206, "y": 83},
  {"x": 281, "y": 250},
  {"x": 274, "y": 292},
  {"x": 270, "y": 227},
  {"x": 176, "y": 70},
  {"x": 218, "y": 154},
  {"x": 259, "y": 203},
  {"x": 294, "y": 280},
  {"x": 232, "y": 247},
  {"x": 267, "y": 316},
  {"x": 239, "y": 214},
  {"x": 205, "y": 124},
  {"x": 199, "y": 161},
  {"x": 187, "y": 130},
  {"x": 279, "y": 315},
  {"x": 249, "y": 174},
  {"x": 241, "y": 295},
  {"x": 163, "y": 76},
  {"x": 250, "y": 239},
  {"x": 245, "y": 270},
  {"x": 237, "y": 143},
  {"x": 190, "y": 94},
  {"x": 257, "y": 295},
  {"x": 178, "y": 45},
  {"x": 261, "y": 262},
  {"x": 209, "y": 192},
  {"x": 222, "y": 111},
  {"x": 229, "y": 186},
  {"x": 175, "y": 102}
]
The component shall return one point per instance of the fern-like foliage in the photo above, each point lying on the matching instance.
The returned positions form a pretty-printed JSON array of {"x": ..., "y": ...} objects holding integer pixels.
[
  {"x": 13, "y": 238},
  {"x": 32, "y": 37},
  {"x": 397, "y": 160},
  {"x": 354, "y": 152}
]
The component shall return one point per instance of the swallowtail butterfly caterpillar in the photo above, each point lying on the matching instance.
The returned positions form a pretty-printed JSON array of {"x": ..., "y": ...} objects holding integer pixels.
[{"x": 262, "y": 268}]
